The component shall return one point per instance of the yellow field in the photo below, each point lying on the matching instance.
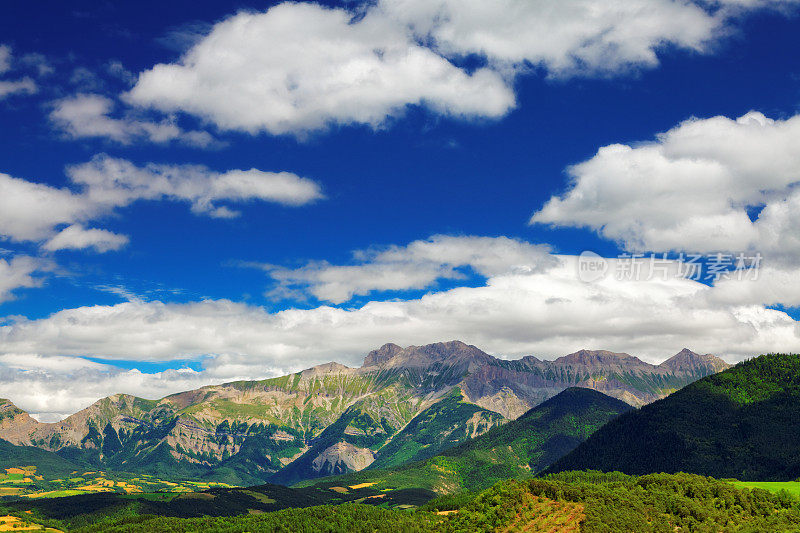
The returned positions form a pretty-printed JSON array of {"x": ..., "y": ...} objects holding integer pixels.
[
  {"x": 13, "y": 523},
  {"x": 361, "y": 486},
  {"x": 24, "y": 482}
]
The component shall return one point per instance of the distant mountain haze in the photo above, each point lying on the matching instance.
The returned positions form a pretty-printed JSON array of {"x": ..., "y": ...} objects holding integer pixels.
[{"x": 332, "y": 419}]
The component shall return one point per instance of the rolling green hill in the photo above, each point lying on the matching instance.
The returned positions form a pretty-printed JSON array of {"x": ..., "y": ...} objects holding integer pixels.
[
  {"x": 517, "y": 449},
  {"x": 741, "y": 423}
]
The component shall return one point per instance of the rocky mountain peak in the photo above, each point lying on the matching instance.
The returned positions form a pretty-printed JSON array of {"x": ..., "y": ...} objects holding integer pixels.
[
  {"x": 8, "y": 409},
  {"x": 454, "y": 353},
  {"x": 14, "y": 422},
  {"x": 687, "y": 360},
  {"x": 381, "y": 355},
  {"x": 325, "y": 368},
  {"x": 597, "y": 357}
]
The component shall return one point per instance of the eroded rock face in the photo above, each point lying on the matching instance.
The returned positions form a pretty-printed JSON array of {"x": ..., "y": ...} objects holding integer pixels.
[
  {"x": 257, "y": 429},
  {"x": 341, "y": 458}
]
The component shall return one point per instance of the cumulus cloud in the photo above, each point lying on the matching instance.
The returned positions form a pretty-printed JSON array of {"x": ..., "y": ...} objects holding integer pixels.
[
  {"x": 46, "y": 386},
  {"x": 30, "y": 211},
  {"x": 706, "y": 186},
  {"x": 546, "y": 311},
  {"x": 321, "y": 68},
  {"x": 577, "y": 37},
  {"x": 692, "y": 189},
  {"x": 512, "y": 314},
  {"x": 19, "y": 272},
  {"x": 415, "y": 266},
  {"x": 301, "y": 67},
  {"x": 56, "y": 217},
  {"x": 76, "y": 237},
  {"x": 89, "y": 115},
  {"x": 775, "y": 285}
]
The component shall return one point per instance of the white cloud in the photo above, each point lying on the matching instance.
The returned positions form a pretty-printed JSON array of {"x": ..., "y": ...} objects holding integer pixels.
[
  {"x": 775, "y": 285},
  {"x": 51, "y": 388},
  {"x": 22, "y": 86},
  {"x": 301, "y": 67},
  {"x": 30, "y": 211},
  {"x": 574, "y": 37},
  {"x": 88, "y": 115},
  {"x": 36, "y": 212},
  {"x": 755, "y": 4},
  {"x": 118, "y": 182},
  {"x": 546, "y": 312},
  {"x": 691, "y": 189},
  {"x": 17, "y": 273},
  {"x": 415, "y": 266},
  {"x": 75, "y": 237},
  {"x": 10, "y": 87}
]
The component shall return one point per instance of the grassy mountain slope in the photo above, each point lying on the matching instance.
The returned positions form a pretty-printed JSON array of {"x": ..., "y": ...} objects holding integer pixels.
[
  {"x": 519, "y": 448},
  {"x": 443, "y": 425},
  {"x": 44, "y": 461},
  {"x": 743, "y": 423}
]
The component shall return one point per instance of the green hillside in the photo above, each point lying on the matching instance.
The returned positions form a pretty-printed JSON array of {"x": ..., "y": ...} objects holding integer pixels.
[
  {"x": 610, "y": 503},
  {"x": 517, "y": 449},
  {"x": 45, "y": 462},
  {"x": 741, "y": 423}
]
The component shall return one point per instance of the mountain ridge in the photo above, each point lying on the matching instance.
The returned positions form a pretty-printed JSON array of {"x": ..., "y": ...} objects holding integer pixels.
[{"x": 249, "y": 431}]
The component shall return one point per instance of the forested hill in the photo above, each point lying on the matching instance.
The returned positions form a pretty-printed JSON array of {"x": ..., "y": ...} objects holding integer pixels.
[{"x": 743, "y": 423}]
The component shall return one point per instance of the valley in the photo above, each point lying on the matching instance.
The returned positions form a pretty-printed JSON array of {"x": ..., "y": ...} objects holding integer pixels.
[{"x": 573, "y": 462}]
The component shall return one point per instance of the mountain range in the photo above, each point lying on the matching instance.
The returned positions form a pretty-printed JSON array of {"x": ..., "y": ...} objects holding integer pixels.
[{"x": 402, "y": 405}]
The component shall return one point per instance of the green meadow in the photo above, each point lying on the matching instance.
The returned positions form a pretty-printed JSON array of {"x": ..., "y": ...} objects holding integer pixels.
[{"x": 792, "y": 487}]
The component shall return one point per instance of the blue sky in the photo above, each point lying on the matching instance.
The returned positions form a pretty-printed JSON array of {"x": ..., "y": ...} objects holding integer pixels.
[{"x": 444, "y": 157}]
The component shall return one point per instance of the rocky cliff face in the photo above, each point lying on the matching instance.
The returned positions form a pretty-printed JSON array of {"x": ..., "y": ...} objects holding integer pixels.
[{"x": 335, "y": 419}]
